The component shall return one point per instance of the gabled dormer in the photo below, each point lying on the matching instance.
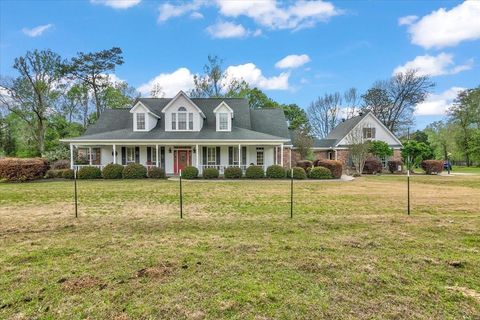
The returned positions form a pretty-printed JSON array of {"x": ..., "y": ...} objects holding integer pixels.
[
  {"x": 182, "y": 114},
  {"x": 223, "y": 117},
  {"x": 143, "y": 119}
]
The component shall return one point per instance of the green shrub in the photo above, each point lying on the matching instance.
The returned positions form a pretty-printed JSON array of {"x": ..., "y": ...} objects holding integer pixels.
[
  {"x": 210, "y": 173},
  {"x": 254, "y": 172},
  {"x": 134, "y": 171},
  {"x": 335, "y": 167},
  {"x": 17, "y": 169},
  {"x": 112, "y": 171},
  {"x": 432, "y": 166},
  {"x": 190, "y": 172},
  {"x": 232, "y": 173},
  {"x": 275, "y": 172},
  {"x": 298, "y": 173},
  {"x": 68, "y": 174},
  {"x": 89, "y": 172},
  {"x": 320, "y": 173},
  {"x": 156, "y": 173},
  {"x": 60, "y": 164},
  {"x": 55, "y": 173}
]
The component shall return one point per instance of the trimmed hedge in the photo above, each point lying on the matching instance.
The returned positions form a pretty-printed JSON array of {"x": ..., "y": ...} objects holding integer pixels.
[
  {"x": 335, "y": 167},
  {"x": 320, "y": 173},
  {"x": 190, "y": 172},
  {"x": 55, "y": 173},
  {"x": 254, "y": 172},
  {"x": 112, "y": 171},
  {"x": 372, "y": 166},
  {"x": 68, "y": 174},
  {"x": 156, "y": 173},
  {"x": 304, "y": 164},
  {"x": 16, "y": 169},
  {"x": 89, "y": 172},
  {"x": 298, "y": 173},
  {"x": 393, "y": 165},
  {"x": 60, "y": 164},
  {"x": 134, "y": 171},
  {"x": 210, "y": 173},
  {"x": 432, "y": 166},
  {"x": 232, "y": 173},
  {"x": 276, "y": 172}
]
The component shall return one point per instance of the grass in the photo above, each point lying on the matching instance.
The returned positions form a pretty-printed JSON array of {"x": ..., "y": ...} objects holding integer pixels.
[
  {"x": 350, "y": 252},
  {"x": 472, "y": 170}
]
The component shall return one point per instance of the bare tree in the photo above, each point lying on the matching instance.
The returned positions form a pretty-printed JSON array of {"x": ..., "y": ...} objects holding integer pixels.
[
  {"x": 359, "y": 148},
  {"x": 352, "y": 100},
  {"x": 303, "y": 141},
  {"x": 393, "y": 101},
  {"x": 157, "y": 91},
  {"x": 324, "y": 114}
]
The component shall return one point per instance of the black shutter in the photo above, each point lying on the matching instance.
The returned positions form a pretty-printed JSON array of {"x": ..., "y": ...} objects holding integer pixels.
[
  {"x": 162, "y": 156},
  {"x": 149, "y": 154},
  {"x": 218, "y": 156},
  {"x": 230, "y": 156},
  {"x": 124, "y": 156},
  {"x": 244, "y": 156},
  {"x": 204, "y": 155},
  {"x": 137, "y": 154}
]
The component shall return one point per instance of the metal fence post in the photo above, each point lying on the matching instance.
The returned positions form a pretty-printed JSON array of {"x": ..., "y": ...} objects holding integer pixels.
[
  {"x": 75, "y": 186},
  {"x": 291, "y": 193},
  {"x": 181, "y": 196}
]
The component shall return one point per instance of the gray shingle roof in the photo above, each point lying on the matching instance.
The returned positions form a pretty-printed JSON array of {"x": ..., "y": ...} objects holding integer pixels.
[{"x": 265, "y": 124}]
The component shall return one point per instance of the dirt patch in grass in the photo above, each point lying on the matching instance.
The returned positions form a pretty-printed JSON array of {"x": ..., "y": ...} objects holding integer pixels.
[
  {"x": 82, "y": 283},
  {"x": 466, "y": 292},
  {"x": 160, "y": 271}
]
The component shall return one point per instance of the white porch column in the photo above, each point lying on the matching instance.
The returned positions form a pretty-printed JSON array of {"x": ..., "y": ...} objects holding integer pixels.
[
  {"x": 281, "y": 155},
  {"x": 90, "y": 155},
  {"x": 71, "y": 157},
  {"x": 114, "y": 154},
  {"x": 239, "y": 155},
  {"x": 197, "y": 150},
  {"x": 335, "y": 154},
  {"x": 156, "y": 152}
]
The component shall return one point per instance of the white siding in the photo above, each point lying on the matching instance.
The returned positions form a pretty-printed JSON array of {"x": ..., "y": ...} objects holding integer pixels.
[
  {"x": 150, "y": 120},
  {"x": 223, "y": 109},
  {"x": 182, "y": 102},
  {"x": 381, "y": 133}
]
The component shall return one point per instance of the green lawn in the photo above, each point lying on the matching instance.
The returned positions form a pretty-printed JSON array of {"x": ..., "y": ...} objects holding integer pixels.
[
  {"x": 473, "y": 170},
  {"x": 350, "y": 252}
]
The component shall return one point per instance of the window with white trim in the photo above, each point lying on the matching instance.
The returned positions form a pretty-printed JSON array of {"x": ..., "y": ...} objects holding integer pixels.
[
  {"x": 182, "y": 120},
  {"x": 223, "y": 121},
  {"x": 130, "y": 158},
  {"x": 140, "y": 121},
  {"x": 211, "y": 156},
  {"x": 154, "y": 155},
  {"x": 260, "y": 157},
  {"x": 235, "y": 157},
  {"x": 369, "y": 133}
]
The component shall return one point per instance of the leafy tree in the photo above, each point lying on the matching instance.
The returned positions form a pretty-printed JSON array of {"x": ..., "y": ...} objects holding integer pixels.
[
  {"x": 257, "y": 99},
  {"x": 393, "y": 101},
  {"x": 34, "y": 92},
  {"x": 414, "y": 152},
  {"x": 91, "y": 69},
  {"x": 118, "y": 95},
  {"x": 440, "y": 137},
  {"x": 296, "y": 117},
  {"x": 420, "y": 136},
  {"x": 380, "y": 149}
]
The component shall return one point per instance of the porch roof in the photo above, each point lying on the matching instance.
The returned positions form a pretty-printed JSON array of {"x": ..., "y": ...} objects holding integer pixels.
[{"x": 127, "y": 134}]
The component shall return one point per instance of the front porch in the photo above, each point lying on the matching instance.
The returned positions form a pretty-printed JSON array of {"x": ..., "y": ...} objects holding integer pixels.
[{"x": 173, "y": 158}]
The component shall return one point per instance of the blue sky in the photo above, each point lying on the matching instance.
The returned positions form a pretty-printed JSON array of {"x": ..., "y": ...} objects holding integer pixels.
[{"x": 325, "y": 46}]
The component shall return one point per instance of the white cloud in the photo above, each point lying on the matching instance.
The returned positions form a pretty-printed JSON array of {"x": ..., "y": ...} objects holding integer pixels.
[
  {"x": 292, "y": 61},
  {"x": 254, "y": 77},
  {"x": 407, "y": 20},
  {"x": 442, "y": 64},
  {"x": 196, "y": 15},
  {"x": 117, "y": 4},
  {"x": 224, "y": 30},
  {"x": 447, "y": 28},
  {"x": 171, "y": 83},
  {"x": 266, "y": 13},
  {"x": 437, "y": 104},
  {"x": 168, "y": 10},
  {"x": 37, "y": 31}
]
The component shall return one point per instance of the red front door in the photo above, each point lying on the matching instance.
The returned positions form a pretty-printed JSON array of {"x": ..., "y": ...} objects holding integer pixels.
[{"x": 182, "y": 159}]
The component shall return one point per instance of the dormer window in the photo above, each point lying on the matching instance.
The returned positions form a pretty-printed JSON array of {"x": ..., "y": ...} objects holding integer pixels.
[
  {"x": 223, "y": 121},
  {"x": 182, "y": 120},
  {"x": 140, "y": 121}
]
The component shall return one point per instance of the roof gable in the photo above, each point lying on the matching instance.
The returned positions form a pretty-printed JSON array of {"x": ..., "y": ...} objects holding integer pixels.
[
  {"x": 139, "y": 105},
  {"x": 178, "y": 96}
]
